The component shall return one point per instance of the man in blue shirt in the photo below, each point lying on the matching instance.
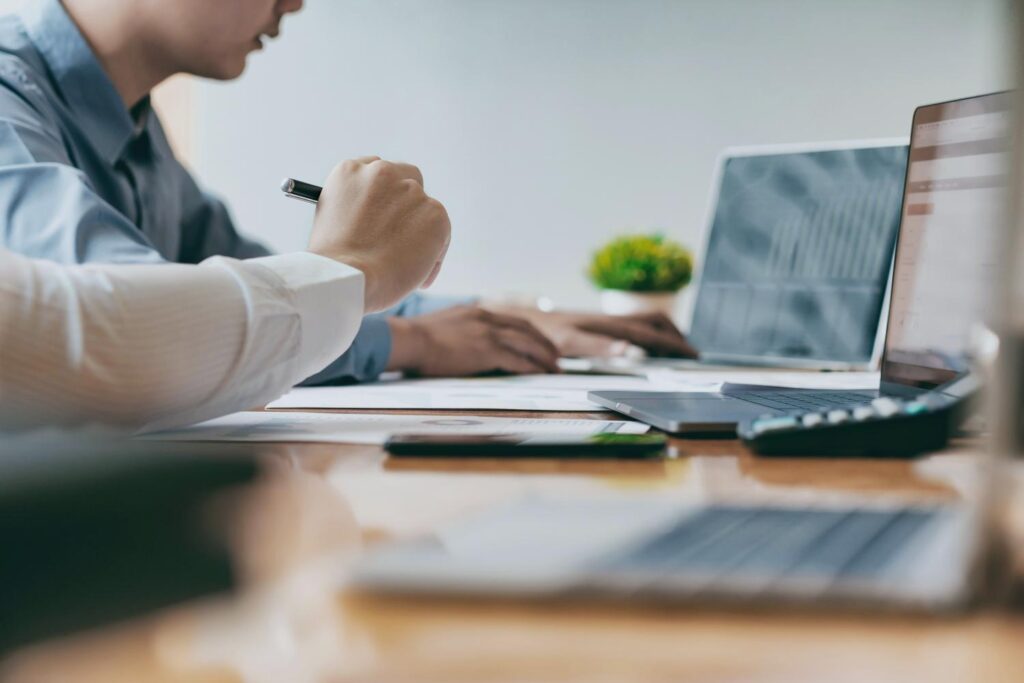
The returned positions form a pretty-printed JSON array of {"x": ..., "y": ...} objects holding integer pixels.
[{"x": 87, "y": 174}]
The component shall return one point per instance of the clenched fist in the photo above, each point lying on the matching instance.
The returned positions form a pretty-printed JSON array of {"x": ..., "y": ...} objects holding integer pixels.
[{"x": 375, "y": 216}]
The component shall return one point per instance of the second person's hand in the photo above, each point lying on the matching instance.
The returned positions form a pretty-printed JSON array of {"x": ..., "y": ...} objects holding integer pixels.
[
  {"x": 468, "y": 340},
  {"x": 592, "y": 334}
]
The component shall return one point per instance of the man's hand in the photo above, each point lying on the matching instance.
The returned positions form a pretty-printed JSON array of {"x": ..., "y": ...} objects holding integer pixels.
[
  {"x": 585, "y": 334},
  {"x": 374, "y": 215},
  {"x": 467, "y": 340}
]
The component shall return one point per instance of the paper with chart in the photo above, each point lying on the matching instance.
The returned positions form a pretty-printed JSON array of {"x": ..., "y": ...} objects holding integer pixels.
[
  {"x": 375, "y": 429},
  {"x": 524, "y": 392}
]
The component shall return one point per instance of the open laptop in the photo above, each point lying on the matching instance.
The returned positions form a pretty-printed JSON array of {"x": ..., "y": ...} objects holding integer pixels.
[
  {"x": 943, "y": 270},
  {"x": 796, "y": 259},
  {"x": 882, "y": 554}
]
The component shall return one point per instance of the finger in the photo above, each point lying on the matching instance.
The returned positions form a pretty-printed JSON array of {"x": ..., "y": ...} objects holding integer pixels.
[
  {"x": 643, "y": 329},
  {"x": 662, "y": 343},
  {"x": 437, "y": 268},
  {"x": 517, "y": 364},
  {"x": 434, "y": 272},
  {"x": 407, "y": 171},
  {"x": 526, "y": 327},
  {"x": 663, "y": 323},
  {"x": 366, "y": 160},
  {"x": 585, "y": 344},
  {"x": 524, "y": 344},
  {"x": 658, "y": 320},
  {"x": 643, "y": 335}
]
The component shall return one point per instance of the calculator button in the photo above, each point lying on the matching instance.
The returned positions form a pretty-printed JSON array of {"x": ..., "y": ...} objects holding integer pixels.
[
  {"x": 861, "y": 413},
  {"x": 775, "y": 424},
  {"x": 812, "y": 419},
  {"x": 838, "y": 416},
  {"x": 915, "y": 408},
  {"x": 885, "y": 406}
]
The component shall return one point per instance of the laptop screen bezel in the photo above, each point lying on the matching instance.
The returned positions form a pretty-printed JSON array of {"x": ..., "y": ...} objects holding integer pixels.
[{"x": 890, "y": 369}]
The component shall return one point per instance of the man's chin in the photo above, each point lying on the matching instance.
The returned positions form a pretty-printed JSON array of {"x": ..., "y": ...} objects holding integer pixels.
[{"x": 225, "y": 70}]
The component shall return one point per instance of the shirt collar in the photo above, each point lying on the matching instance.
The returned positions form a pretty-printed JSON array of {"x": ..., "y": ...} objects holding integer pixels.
[{"x": 81, "y": 80}]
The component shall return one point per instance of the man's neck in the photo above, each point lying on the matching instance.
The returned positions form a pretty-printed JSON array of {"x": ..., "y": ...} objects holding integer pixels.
[{"x": 117, "y": 35}]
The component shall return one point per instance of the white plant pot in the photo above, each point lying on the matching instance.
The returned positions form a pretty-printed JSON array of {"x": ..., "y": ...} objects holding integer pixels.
[{"x": 619, "y": 302}]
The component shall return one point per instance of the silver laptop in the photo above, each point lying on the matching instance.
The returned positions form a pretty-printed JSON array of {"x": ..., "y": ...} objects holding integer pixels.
[
  {"x": 796, "y": 259},
  {"x": 886, "y": 555},
  {"x": 942, "y": 281}
]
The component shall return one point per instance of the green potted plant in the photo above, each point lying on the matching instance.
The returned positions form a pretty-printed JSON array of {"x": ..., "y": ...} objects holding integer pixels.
[{"x": 640, "y": 273}]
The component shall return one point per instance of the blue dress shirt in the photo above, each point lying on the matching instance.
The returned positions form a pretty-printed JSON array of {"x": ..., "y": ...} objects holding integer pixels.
[{"x": 83, "y": 178}]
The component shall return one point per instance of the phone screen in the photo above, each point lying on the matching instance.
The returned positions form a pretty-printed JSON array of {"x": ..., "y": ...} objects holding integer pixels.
[{"x": 550, "y": 445}]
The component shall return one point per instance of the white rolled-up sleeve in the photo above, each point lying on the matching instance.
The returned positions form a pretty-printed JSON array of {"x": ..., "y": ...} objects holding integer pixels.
[{"x": 156, "y": 346}]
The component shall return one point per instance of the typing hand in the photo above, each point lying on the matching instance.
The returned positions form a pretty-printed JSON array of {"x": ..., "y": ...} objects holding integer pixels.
[
  {"x": 467, "y": 340},
  {"x": 374, "y": 215},
  {"x": 586, "y": 334}
]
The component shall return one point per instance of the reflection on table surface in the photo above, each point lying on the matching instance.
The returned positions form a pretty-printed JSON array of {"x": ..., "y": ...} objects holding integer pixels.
[{"x": 321, "y": 505}]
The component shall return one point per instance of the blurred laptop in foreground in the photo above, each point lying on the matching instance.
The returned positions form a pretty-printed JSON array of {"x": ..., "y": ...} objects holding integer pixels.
[{"x": 878, "y": 554}]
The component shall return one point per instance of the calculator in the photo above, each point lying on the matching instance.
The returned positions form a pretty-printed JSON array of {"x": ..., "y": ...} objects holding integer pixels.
[{"x": 885, "y": 427}]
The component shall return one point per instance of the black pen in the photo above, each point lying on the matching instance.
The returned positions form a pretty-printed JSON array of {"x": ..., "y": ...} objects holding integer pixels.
[{"x": 296, "y": 189}]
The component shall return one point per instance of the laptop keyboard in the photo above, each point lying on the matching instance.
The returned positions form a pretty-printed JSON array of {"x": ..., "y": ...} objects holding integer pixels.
[
  {"x": 805, "y": 401},
  {"x": 820, "y": 544}
]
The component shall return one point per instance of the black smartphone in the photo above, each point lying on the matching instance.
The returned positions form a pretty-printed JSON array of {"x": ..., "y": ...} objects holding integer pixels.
[{"x": 603, "y": 445}]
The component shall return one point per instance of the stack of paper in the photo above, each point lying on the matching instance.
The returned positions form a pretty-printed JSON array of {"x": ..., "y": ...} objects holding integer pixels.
[{"x": 549, "y": 392}]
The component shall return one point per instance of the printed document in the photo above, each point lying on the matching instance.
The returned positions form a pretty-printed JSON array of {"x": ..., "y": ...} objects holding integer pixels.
[{"x": 375, "y": 429}]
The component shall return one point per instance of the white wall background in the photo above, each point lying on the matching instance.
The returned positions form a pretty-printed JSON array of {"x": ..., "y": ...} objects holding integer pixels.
[{"x": 548, "y": 126}]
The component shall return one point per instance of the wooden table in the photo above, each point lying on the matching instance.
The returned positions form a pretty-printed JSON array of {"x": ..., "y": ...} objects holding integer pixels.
[{"x": 325, "y": 503}]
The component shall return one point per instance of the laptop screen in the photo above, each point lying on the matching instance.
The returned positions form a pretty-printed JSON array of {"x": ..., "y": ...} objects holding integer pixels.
[
  {"x": 798, "y": 254},
  {"x": 945, "y": 268}
]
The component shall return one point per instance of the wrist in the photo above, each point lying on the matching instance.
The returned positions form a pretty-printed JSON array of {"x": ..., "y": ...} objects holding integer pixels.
[
  {"x": 371, "y": 295},
  {"x": 408, "y": 342}
]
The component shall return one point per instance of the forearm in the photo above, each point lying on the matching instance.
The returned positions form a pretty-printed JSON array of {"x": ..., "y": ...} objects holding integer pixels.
[
  {"x": 157, "y": 346},
  {"x": 387, "y": 341}
]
